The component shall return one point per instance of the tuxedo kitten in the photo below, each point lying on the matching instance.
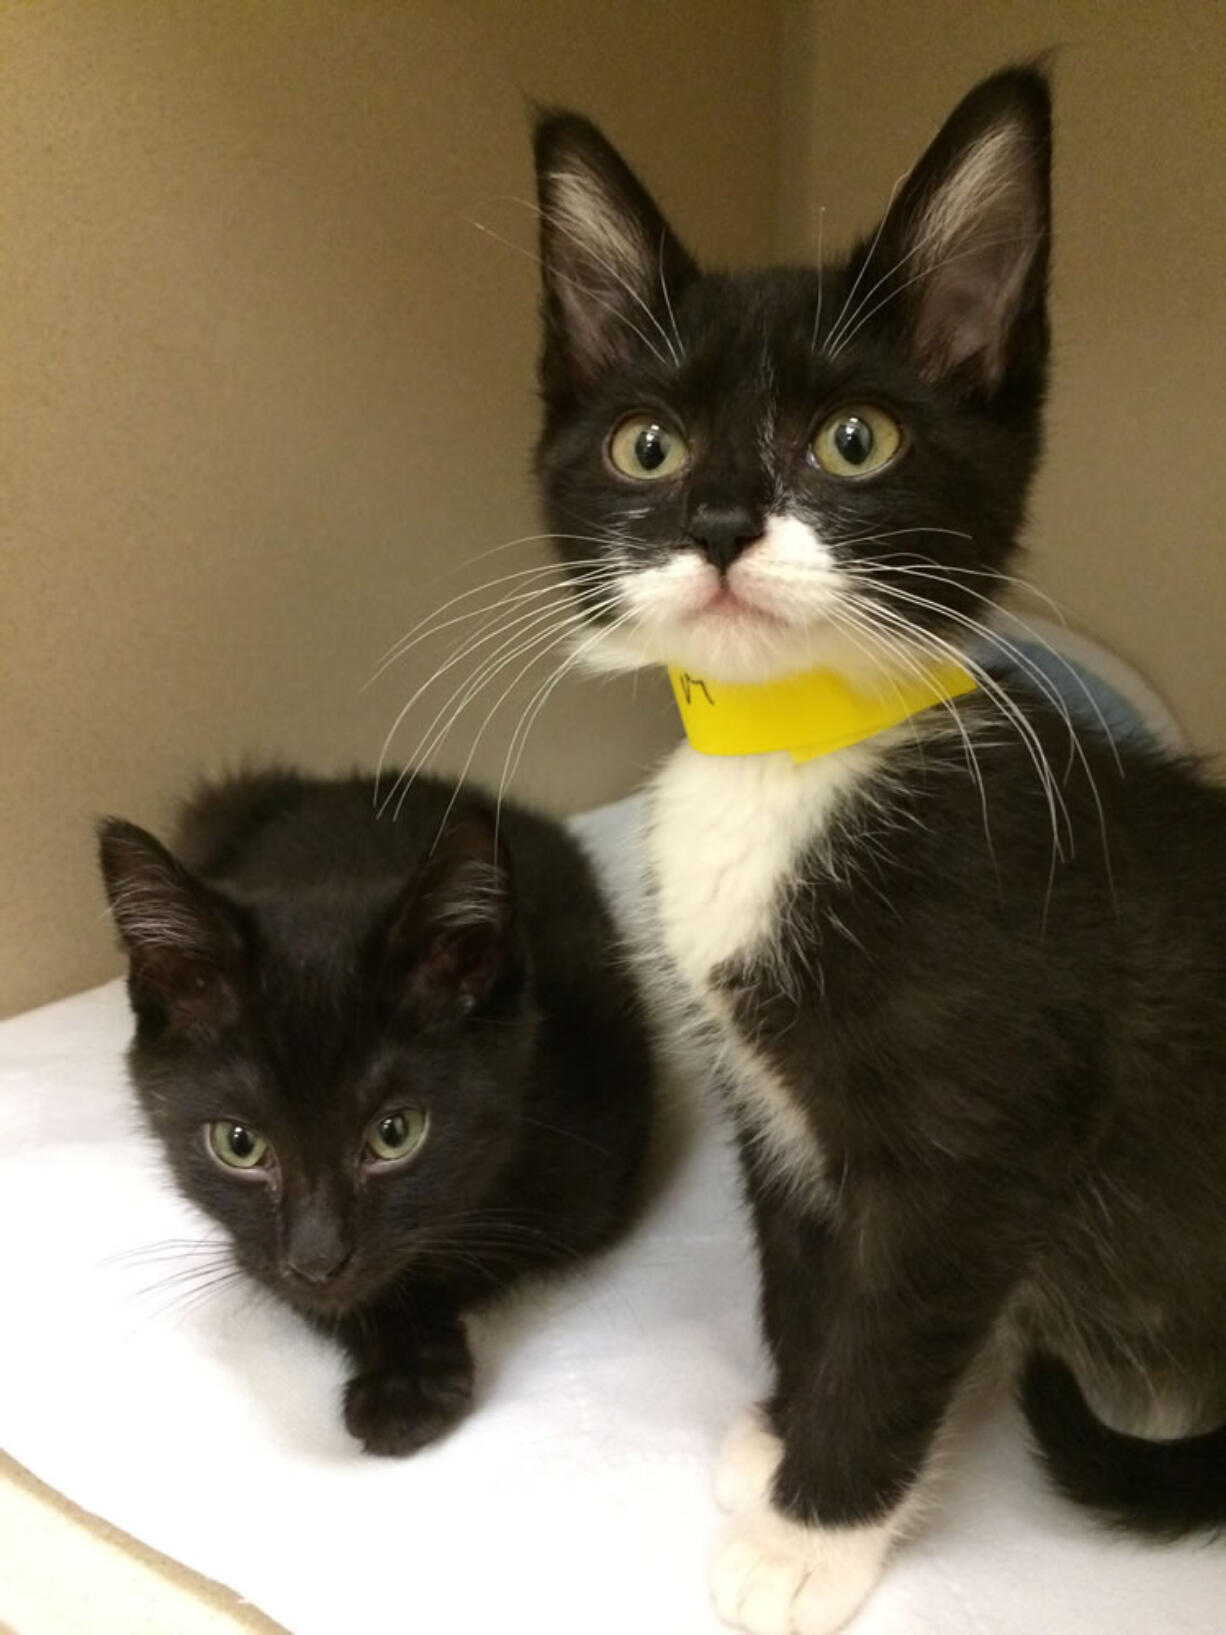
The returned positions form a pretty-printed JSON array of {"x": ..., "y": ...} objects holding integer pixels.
[
  {"x": 400, "y": 1062},
  {"x": 968, "y": 972}
]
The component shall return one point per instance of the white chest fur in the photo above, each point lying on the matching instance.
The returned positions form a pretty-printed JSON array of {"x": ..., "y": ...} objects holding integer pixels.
[{"x": 726, "y": 836}]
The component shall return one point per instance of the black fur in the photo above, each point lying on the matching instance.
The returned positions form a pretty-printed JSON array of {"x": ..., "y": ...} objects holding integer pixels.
[
  {"x": 749, "y": 335},
  {"x": 1019, "y": 1092},
  {"x": 1001, "y": 1011},
  {"x": 1159, "y": 1487},
  {"x": 303, "y": 968}
]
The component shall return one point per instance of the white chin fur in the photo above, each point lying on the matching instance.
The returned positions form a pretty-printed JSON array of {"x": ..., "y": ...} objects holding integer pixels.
[{"x": 790, "y": 593}]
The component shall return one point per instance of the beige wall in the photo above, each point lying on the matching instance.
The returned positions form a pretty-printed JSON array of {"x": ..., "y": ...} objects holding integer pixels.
[
  {"x": 1129, "y": 526},
  {"x": 263, "y": 382}
]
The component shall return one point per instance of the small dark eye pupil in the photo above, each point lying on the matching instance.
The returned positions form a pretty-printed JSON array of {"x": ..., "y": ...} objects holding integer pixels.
[
  {"x": 240, "y": 1141},
  {"x": 854, "y": 440},
  {"x": 651, "y": 447},
  {"x": 392, "y": 1130}
]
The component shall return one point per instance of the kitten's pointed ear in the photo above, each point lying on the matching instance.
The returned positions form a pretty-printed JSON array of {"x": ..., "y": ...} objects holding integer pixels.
[
  {"x": 613, "y": 268},
  {"x": 183, "y": 941},
  {"x": 450, "y": 940},
  {"x": 963, "y": 251}
]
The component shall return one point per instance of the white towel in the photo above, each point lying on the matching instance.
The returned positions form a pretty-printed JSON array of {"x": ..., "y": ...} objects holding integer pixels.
[{"x": 576, "y": 1500}]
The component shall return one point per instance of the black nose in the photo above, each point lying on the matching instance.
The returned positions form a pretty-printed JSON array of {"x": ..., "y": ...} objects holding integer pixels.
[
  {"x": 723, "y": 532},
  {"x": 314, "y": 1249},
  {"x": 317, "y": 1268}
]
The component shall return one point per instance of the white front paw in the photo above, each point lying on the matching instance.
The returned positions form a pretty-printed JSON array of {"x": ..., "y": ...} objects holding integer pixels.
[
  {"x": 775, "y": 1577},
  {"x": 747, "y": 1464}
]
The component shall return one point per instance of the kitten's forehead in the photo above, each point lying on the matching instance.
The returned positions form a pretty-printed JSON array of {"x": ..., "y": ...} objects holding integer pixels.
[
  {"x": 749, "y": 317},
  {"x": 766, "y": 333}
]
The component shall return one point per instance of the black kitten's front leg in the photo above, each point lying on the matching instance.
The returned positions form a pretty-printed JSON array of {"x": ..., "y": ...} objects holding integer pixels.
[
  {"x": 873, "y": 1314},
  {"x": 414, "y": 1377}
]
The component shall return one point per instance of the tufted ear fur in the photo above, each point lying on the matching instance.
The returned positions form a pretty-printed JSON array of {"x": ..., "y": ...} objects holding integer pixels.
[
  {"x": 613, "y": 269},
  {"x": 449, "y": 943},
  {"x": 184, "y": 942},
  {"x": 961, "y": 257}
]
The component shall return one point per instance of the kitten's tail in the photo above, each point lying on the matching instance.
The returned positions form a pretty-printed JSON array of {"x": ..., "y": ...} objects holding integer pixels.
[{"x": 1162, "y": 1488}]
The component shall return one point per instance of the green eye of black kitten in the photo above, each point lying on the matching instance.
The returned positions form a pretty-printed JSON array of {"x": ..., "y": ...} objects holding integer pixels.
[
  {"x": 235, "y": 1145},
  {"x": 642, "y": 448},
  {"x": 396, "y": 1135},
  {"x": 853, "y": 442}
]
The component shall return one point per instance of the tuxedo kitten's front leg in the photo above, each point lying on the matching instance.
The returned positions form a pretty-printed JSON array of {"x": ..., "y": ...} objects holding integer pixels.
[
  {"x": 873, "y": 1315},
  {"x": 414, "y": 1377}
]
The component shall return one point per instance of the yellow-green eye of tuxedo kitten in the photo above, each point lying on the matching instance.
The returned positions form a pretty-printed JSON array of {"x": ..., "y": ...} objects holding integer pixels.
[
  {"x": 235, "y": 1145},
  {"x": 645, "y": 449},
  {"x": 856, "y": 441},
  {"x": 396, "y": 1135}
]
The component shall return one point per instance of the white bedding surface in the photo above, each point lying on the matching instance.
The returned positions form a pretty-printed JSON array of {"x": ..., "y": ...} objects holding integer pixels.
[{"x": 575, "y": 1499}]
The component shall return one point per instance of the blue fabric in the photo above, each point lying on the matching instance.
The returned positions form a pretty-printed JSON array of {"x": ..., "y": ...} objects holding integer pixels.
[{"x": 1080, "y": 688}]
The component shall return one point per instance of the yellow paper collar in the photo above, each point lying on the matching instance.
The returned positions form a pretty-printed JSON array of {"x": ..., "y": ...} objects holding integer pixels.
[{"x": 808, "y": 715}]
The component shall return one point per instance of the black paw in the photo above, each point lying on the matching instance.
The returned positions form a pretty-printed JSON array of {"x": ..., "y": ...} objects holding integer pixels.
[{"x": 395, "y": 1413}]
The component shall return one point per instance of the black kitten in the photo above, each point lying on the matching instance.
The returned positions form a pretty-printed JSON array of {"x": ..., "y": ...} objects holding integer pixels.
[
  {"x": 401, "y": 1064},
  {"x": 970, "y": 981}
]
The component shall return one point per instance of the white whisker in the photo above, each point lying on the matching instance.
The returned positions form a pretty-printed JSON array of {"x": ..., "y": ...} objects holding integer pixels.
[
  {"x": 821, "y": 280},
  {"x": 668, "y": 303},
  {"x": 897, "y": 651},
  {"x": 1042, "y": 683},
  {"x": 594, "y": 296},
  {"x": 489, "y": 611},
  {"x": 538, "y": 702},
  {"x": 554, "y": 219},
  {"x": 1009, "y": 709},
  {"x": 510, "y": 629},
  {"x": 941, "y": 575},
  {"x": 487, "y": 672},
  {"x": 501, "y": 700},
  {"x": 864, "y": 266},
  {"x": 539, "y": 570},
  {"x": 850, "y": 333}
]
